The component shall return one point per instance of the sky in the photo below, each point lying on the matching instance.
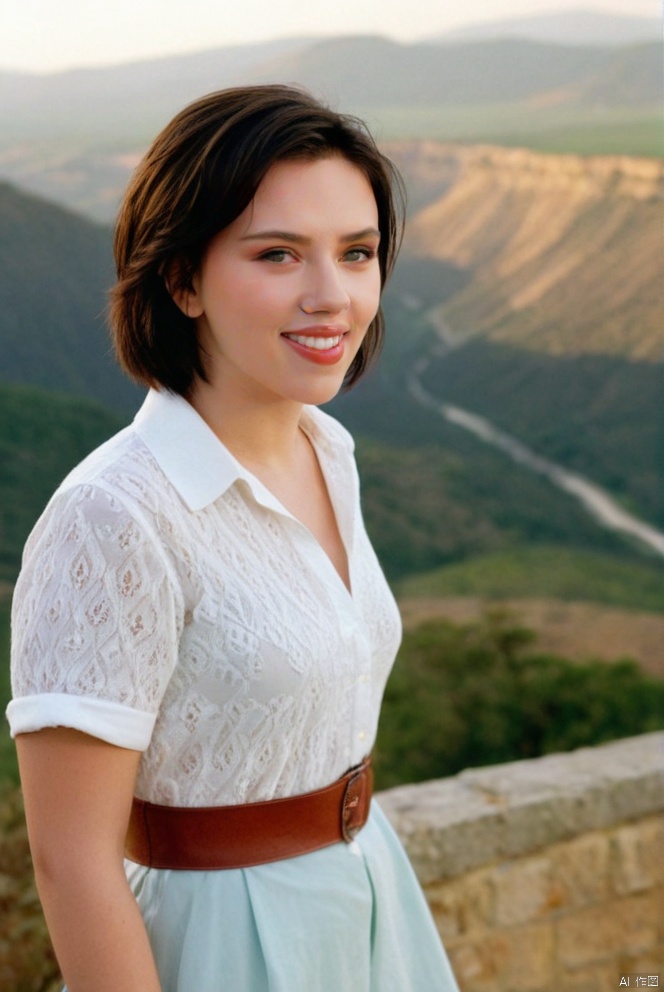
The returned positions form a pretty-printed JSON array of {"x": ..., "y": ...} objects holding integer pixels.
[{"x": 52, "y": 35}]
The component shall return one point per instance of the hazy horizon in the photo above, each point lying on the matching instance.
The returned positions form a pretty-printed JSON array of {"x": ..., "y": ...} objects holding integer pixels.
[{"x": 39, "y": 36}]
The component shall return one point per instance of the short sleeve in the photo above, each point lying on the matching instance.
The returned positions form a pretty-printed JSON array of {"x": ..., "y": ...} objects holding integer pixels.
[{"x": 96, "y": 621}]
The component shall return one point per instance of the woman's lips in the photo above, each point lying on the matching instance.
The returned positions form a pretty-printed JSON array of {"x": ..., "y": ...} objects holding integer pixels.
[{"x": 324, "y": 346}]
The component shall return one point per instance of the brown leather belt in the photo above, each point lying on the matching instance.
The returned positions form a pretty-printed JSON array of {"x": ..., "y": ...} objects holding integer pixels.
[{"x": 211, "y": 837}]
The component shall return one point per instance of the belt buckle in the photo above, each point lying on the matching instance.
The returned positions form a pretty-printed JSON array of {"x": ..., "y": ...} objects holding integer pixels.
[{"x": 355, "y": 804}]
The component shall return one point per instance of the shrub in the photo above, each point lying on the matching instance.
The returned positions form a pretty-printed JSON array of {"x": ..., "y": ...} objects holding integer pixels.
[{"x": 477, "y": 694}]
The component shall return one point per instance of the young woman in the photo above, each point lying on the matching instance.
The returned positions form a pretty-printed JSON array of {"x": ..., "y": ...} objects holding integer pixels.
[{"x": 201, "y": 631}]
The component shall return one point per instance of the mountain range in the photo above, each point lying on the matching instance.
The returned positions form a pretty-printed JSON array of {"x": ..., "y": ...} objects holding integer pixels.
[
  {"x": 363, "y": 72},
  {"x": 577, "y": 26},
  {"x": 75, "y": 136}
]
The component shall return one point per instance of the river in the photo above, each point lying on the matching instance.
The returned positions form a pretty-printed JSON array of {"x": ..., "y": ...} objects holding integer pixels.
[{"x": 599, "y": 503}]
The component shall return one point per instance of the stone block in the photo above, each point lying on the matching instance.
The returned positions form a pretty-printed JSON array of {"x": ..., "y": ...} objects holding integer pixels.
[
  {"x": 637, "y": 856},
  {"x": 443, "y": 902},
  {"x": 643, "y": 964},
  {"x": 530, "y": 964},
  {"x": 581, "y": 870},
  {"x": 462, "y": 905},
  {"x": 484, "y": 815},
  {"x": 590, "y": 936},
  {"x": 518, "y": 960},
  {"x": 475, "y": 971},
  {"x": 641, "y": 919},
  {"x": 478, "y": 902},
  {"x": 652, "y": 831},
  {"x": 545, "y": 875},
  {"x": 596, "y": 978},
  {"x": 522, "y": 890}
]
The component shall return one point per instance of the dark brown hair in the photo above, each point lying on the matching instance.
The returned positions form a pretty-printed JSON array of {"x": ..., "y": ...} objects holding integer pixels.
[{"x": 201, "y": 172}]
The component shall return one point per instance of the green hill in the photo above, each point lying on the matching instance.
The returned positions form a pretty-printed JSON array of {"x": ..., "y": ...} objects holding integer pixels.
[
  {"x": 542, "y": 571},
  {"x": 600, "y": 415},
  {"x": 42, "y": 436},
  {"x": 55, "y": 270},
  {"x": 495, "y": 71}
]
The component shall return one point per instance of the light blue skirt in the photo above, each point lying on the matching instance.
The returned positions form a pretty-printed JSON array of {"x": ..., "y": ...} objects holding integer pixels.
[{"x": 348, "y": 918}]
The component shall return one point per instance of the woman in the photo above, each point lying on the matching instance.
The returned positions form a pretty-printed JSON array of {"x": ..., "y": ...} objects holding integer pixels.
[{"x": 201, "y": 631}]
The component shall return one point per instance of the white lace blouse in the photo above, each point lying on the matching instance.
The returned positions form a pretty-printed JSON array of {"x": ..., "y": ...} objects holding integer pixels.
[{"x": 170, "y": 604}]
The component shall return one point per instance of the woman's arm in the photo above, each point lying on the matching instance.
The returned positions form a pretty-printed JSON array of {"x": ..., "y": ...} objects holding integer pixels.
[{"x": 78, "y": 792}]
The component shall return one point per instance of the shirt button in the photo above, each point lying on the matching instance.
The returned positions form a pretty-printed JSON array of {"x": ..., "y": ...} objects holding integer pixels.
[
  {"x": 364, "y": 679},
  {"x": 362, "y": 735}
]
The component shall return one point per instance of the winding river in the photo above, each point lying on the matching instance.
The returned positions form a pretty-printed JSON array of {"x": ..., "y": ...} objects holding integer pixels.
[{"x": 593, "y": 498}]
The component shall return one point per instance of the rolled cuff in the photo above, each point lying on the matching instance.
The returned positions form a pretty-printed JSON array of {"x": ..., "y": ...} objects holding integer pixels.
[{"x": 109, "y": 721}]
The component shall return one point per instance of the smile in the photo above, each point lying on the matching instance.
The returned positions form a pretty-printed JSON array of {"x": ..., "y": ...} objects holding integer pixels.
[
  {"x": 323, "y": 347},
  {"x": 318, "y": 343}
]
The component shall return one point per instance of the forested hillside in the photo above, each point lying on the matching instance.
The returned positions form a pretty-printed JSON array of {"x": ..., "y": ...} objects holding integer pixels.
[
  {"x": 42, "y": 436},
  {"x": 434, "y": 495},
  {"x": 55, "y": 270}
]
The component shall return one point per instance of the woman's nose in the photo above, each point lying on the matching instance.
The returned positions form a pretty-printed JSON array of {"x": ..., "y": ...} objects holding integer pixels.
[{"x": 325, "y": 291}]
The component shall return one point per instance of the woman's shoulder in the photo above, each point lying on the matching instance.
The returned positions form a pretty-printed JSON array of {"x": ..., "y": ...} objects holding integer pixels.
[
  {"x": 103, "y": 462},
  {"x": 119, "y": 480},
  {"x": 122, "y": 467}
]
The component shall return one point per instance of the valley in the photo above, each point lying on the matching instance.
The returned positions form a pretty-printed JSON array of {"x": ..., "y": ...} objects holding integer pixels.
[
  {"x": 598, "y": 503},
  {"x": 541, "y": 278}
]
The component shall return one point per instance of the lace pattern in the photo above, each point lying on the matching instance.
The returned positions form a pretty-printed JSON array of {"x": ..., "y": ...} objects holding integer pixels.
[{"x": 226, "y": 622}]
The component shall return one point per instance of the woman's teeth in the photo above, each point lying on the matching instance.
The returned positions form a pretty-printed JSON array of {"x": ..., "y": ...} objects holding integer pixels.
[{"x": 320, "y": 344}]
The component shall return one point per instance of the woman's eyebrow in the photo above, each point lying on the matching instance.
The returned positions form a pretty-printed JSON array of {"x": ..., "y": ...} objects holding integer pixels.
[{"x": 300, "y": 239}]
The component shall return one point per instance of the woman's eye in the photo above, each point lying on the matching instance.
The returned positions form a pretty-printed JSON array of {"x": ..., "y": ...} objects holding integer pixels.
[
  {"x": 359, "y": 254},
  {"x": 277, "y": 255}
]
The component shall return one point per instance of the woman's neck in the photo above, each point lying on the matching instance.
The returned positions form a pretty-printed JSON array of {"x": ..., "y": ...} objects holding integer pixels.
[{"x": 258, "y": 434}]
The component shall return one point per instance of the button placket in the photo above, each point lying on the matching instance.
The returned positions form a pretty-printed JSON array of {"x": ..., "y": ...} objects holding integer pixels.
[{"x": 361, "y": 718}]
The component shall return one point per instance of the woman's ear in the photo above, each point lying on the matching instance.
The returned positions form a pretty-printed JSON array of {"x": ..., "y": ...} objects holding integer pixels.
[{"x": 182, "y": 289}]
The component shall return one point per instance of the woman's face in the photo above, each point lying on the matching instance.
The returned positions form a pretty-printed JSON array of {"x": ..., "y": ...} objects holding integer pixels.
[{"x": 285, "y": 294}]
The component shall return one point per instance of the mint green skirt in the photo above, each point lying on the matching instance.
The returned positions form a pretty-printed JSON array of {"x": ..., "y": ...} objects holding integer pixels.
[{"x": 348, "y": 918}]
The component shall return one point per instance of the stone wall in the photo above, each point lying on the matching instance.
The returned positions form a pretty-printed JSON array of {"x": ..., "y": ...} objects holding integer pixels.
[{"x": 545, "y": 875}]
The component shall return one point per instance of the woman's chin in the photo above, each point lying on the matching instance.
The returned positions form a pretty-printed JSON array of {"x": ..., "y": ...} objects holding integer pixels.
[{"x": 320, "y": 393}]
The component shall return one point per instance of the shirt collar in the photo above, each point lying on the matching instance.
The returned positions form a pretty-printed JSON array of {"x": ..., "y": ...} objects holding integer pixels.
[{"x": 191, "y": 456}]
